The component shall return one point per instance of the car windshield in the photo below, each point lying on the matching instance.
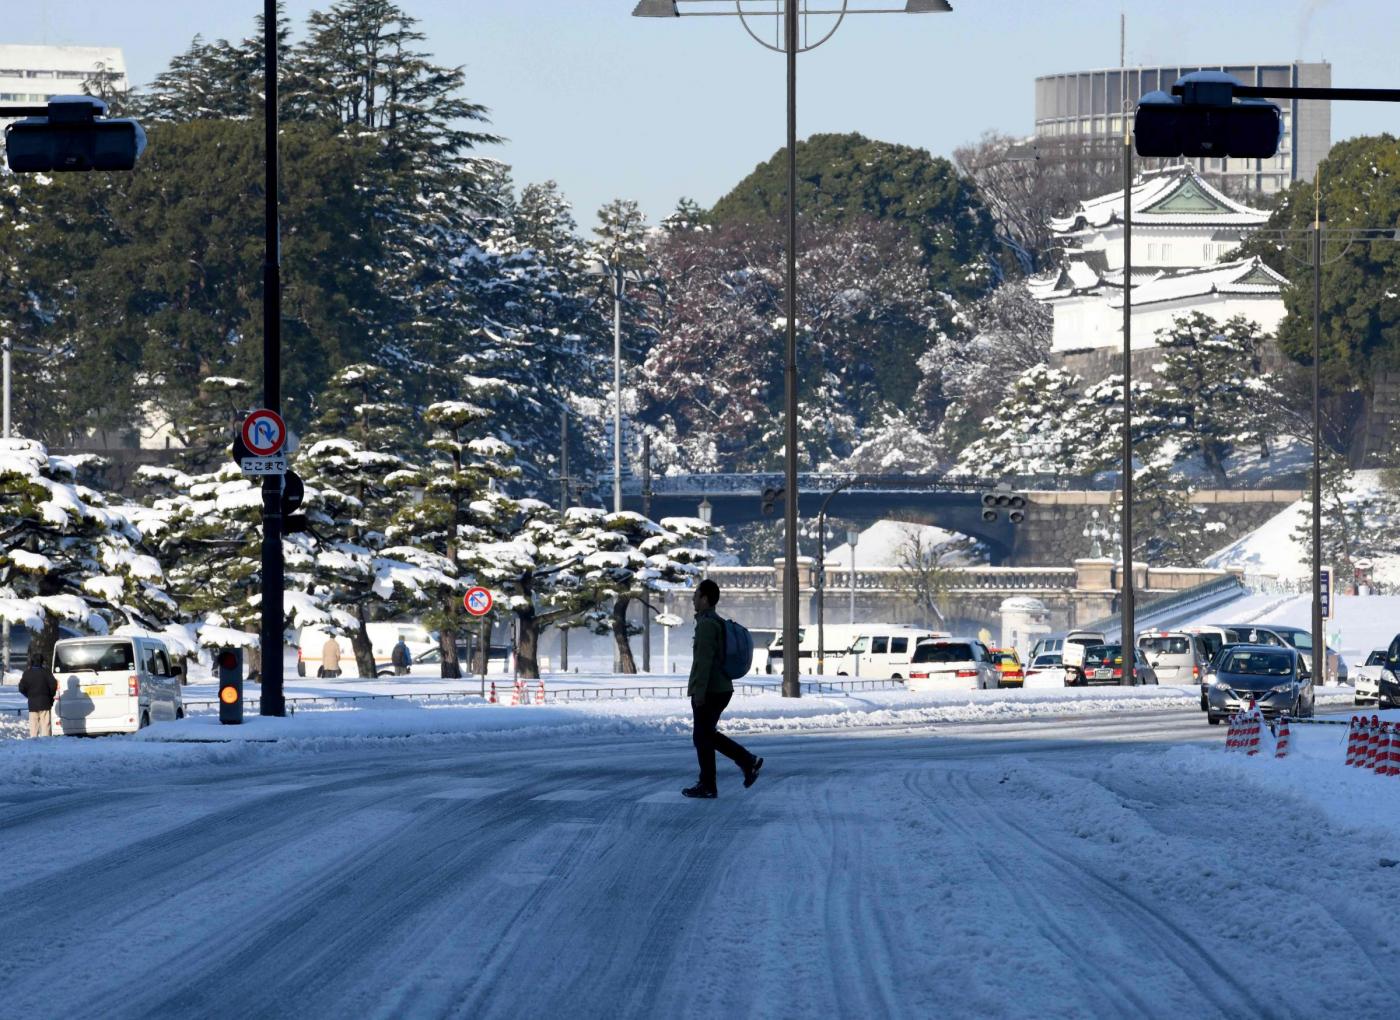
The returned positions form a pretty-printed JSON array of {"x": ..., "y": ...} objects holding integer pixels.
[
  {"x": 1048, "y": 660},
  {"x": 1004, "y": 658},
  {"x": 1299, "y": 639},
  {"x": 1256, "y": 663},
  {"x": 943, "y": 653},
  {"x": 1103, "y": 655},
  {"x": 96, "y": 655},
  {"x": 1178, "y": 645},
  {"x": 1376, "y": 658}
]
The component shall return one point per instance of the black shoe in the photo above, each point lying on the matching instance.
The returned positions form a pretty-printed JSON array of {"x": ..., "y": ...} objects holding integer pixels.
[
  {"x": 702, "y": 792},
  {"x": 751, "y": 773}
]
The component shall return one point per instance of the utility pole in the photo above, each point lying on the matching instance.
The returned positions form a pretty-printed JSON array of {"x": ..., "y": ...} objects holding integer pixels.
[
  {"x": 563, "y": 506},
  {"x": 646, "y": 512},
  {"x": 1318, "y": 636},
  {"x": 7, "y": 345},
  {"x": 270, "y": 661},
  {"x": 1127, "y": 631}
]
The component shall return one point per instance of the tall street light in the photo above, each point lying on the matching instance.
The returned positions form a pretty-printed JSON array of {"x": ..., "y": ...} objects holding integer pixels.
[
  {"x": 821, "y": 572},
  {"x": 791, "y": 15}
]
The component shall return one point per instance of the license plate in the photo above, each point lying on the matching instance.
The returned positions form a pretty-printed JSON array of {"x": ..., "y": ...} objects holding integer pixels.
[
  {"x": 95, "y": 690},
  {"x": 1101, "y": 674}
]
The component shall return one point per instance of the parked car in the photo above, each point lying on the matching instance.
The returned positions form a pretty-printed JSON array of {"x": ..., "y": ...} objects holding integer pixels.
[
  {"x": 956, "y": 664},
  {"x": 1175, "y": 656},
  {"x": 1274, "y": 679},
  {"x": 1388, "y": 692},
  {"x": 1046, "y": 667},
  {"x": 19, "y": 643},
  {"x": 880, "y": 651},
  {"x": 1367, "y": 678},
  {"x": 1056, "y": 645},
  {"x": 1009, "y": 664},
  {"x": 1103, "y": 664},
  {"x": 116, "y": 684},
  {"x": 1302, "y": 640}
]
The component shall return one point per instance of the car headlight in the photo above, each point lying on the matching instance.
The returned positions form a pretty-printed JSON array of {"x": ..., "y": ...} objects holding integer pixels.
[
  {"x": 1282, "y": 689},
  {"x": 1220, "y": 685}
]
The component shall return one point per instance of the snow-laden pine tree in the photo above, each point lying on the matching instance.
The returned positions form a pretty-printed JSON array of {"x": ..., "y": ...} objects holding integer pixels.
[
  {"x": 631, "y": 559},
  {"x": 357, "y": 478},
  {"x": 70, "y": 553},
  {"x": 462, "y": 469}
]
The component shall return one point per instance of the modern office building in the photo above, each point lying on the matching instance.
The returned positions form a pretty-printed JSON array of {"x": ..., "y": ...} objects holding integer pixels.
[
  {"x": 1088, "y": 106},
  {"x": 33, "y": 74}
]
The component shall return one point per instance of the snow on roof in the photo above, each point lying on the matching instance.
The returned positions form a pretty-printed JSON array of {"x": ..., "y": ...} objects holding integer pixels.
[
  {"x": 1246, "y": 278},
  {"x": 1172, "y": 196}
]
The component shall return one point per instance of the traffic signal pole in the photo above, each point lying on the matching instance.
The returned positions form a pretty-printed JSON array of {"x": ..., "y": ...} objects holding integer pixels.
[
  {"x": 272, "y": 624},
  {"x": 1127, "y": 636}
]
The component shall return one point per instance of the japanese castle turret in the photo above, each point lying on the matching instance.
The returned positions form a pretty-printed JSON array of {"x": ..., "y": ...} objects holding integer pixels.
[{"x": 1183, "y": 232}]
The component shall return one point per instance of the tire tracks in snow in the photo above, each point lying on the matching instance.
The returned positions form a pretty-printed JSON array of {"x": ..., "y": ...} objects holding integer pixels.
[{"x": 1224, "y": 992}]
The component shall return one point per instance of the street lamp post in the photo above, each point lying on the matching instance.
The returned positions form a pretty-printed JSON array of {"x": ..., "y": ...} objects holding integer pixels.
[
  {"x": 821, "y": 573},
  {"x": 707, "y": 514},
  {"x": 1128, "y": 626},
  {"x": 790, "y": 47},
  {"x": 617, "y": 385},
  {"x": 852, "y": 537}
]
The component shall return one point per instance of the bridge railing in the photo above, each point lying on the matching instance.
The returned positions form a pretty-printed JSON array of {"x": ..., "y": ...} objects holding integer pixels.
[{"x": 967, "y": 579}]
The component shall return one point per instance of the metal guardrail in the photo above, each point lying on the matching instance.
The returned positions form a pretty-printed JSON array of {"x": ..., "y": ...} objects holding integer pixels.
[{"x": 1183, "y": 599}]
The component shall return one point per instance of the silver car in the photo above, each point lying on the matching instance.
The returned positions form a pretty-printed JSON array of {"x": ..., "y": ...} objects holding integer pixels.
[
  {"x": 1274, "y": 679},
  {"x": 1175, "y": 656}
]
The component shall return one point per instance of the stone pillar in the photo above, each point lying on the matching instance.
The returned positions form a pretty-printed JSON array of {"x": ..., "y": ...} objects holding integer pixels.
[
  {"x": 1094, "y": 592},
  {"x": 1024, "y": 621},
  {"x": 806, "y": 586}
]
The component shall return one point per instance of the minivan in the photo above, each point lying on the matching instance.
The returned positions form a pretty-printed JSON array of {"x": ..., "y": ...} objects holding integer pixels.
[
  {"x": 115, "y": 684},
  {"x": 882, "y": 651},
  {"x": 1175, "y": 656}
]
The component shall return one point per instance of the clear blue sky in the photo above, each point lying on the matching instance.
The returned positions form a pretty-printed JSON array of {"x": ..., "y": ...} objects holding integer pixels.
[{"x": 615, "y": 106}]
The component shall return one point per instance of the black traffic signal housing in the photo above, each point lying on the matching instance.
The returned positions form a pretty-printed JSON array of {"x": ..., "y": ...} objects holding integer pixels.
[
  {"x": 769, "y": 500},
  {"x": 75, "y": 135},
  {"x": 999, "y": 500},
  {"x": 230, "y": 663},
  {"x": 1206, "y": 121}
]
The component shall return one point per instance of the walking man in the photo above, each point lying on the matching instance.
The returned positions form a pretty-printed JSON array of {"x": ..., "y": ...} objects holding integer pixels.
[
  {"x": 40, "y": 686},
  {"x": 330, "y": 658},
  {"x": 402, "y": 657},
  {"x": 710, "y": 690}
]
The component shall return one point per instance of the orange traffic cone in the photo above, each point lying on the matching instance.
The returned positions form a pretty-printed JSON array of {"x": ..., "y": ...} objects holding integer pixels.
[{"x": 1281, "y": 738}]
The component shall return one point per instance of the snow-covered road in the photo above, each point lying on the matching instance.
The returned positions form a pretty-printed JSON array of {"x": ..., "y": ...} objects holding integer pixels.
[{"x": 1065, "y": 867}]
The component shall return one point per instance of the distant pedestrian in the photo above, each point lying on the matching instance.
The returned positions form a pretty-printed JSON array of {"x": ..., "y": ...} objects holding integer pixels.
[
  {"x": 402, "y": 658},
  {"x": 330, "y": 658},
  {"x": 710, "y": 690},
  {"x": 40, "y": 686}
]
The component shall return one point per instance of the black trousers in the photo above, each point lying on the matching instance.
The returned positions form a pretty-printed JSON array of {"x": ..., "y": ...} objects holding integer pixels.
[{"x": 708, "y": 739}]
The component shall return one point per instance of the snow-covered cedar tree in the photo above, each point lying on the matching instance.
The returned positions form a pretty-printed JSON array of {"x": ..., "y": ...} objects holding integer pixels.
[
  {"x": 631, "y": 558},
  {"x": 460, "y": 471},
  {"x": 355, "y": 482},
  {"x": 1359, "y": 521},
  {"x": 69, "y": 553}
]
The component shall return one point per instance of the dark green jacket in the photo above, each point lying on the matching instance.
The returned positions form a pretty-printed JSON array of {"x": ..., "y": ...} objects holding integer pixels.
[{"x": 707, "y": 657}]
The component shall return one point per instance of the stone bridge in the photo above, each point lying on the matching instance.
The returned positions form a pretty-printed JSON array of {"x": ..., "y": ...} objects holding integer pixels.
[{"x": 1052, "y": 532}]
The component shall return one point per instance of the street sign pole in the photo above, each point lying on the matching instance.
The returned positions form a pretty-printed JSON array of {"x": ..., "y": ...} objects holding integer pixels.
[{"x": 271, "y": 701}]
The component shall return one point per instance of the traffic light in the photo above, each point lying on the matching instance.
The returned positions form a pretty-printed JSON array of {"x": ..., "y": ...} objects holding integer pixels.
[
  {"x": 230, "y": 662},
  {"x": 1206, "y": 121},
  {"x": 770, "y": 498},
  {"x": 76, "y": 134},
  {"x": 993, "y": 503}
]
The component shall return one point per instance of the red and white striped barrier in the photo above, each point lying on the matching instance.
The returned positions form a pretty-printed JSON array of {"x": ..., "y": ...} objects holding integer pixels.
[
  {"x": 1380, "y": 761},
  {"x": 1392, "y": 765},
  {"x": 1256, "y": 725},
  {"x": 518, "y": 696},
  {"x": 1232, "y": 737},
  {"x": 1373, "y": 743},
  {"x": 1281, "y": 738},
  {"x": 492, "y": 699},
  {"x": 1354, "y": 738},
  {"x": 539, "y": 692}
]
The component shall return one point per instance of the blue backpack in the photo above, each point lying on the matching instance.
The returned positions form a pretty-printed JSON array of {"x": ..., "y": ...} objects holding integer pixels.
[{"x": 738, "y": 650}]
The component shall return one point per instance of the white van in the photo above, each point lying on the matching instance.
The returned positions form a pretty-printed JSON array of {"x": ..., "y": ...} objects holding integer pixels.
[
  {"x": 114, "y": 685},
  {"x": 882, "y": 651},
  {"x": 383, "y": 636},
  {"x": 835, "y": 639}
]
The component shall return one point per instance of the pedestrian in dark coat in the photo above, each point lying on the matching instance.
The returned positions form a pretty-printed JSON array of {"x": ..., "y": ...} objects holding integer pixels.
[
  {"x": 710, "y": 690},
  {"x": 402, "y": 658},
  {"x": 40, "y": 687}
]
